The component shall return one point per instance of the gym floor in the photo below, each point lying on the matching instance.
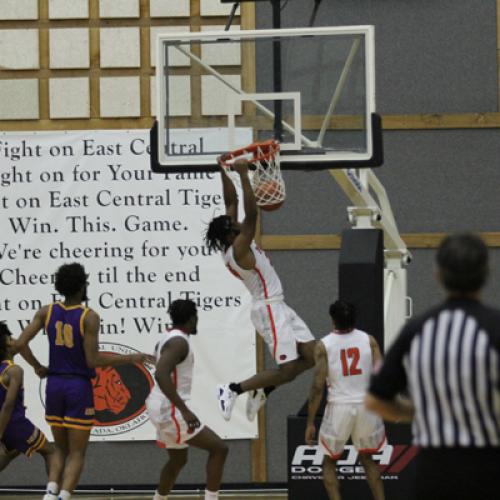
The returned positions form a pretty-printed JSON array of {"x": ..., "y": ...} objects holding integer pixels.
[{"x": 132, "y": 496}]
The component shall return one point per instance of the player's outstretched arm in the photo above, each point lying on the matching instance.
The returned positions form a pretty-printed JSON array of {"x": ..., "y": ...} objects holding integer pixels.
[
  {"x": 174, "y": 352},
  {"x": 230, "y": 195},
  {"x": 91, "y": 347},
  {"x": 320, "y": 374},
  {"x": 13, "y": 378},
  {"x": 241, "y": 246},
  {"x": 249, "y": 203}
]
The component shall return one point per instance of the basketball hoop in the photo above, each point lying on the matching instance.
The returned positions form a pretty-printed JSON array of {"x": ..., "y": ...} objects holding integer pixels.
[{"x": 267, "y": 182}]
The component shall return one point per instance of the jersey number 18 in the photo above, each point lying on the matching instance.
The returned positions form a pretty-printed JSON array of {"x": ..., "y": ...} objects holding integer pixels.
[{"x": 64, "y": 335}]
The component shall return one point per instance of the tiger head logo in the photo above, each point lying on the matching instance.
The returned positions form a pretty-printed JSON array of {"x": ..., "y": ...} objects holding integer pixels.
[{"x": 110, "y": 393}]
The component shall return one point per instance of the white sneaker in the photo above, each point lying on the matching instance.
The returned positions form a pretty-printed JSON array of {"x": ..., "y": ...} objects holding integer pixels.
[
  {"x": 226, "y": 398},
  {"x": 256, "y": 399},
  {"x": 49, "y": 496}
]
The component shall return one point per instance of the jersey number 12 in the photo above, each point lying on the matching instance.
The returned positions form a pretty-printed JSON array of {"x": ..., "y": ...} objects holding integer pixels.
[{"x": 350, "y": 359}]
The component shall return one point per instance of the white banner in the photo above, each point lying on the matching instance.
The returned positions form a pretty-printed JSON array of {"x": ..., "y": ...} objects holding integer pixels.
[{"x": 90, "y": 197}]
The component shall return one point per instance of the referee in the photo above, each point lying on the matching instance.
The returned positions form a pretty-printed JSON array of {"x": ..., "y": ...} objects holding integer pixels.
[{"x": 448, "y": 362}]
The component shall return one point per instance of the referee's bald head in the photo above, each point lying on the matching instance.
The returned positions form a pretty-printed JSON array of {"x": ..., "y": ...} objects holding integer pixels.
[{"x": 462, "y": 261}]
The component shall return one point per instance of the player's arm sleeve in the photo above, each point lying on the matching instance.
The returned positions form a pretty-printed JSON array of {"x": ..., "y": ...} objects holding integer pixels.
[{"x": 391, "y": 379}]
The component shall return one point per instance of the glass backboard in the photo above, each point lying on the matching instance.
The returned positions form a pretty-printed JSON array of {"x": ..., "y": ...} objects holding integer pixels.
[{"x": 313, "y": 89}]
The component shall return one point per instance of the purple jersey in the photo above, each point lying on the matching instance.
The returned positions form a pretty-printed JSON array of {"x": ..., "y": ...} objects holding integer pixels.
[
  {"x": 64, "y": 327},
  {"x": 20, "y": 434},
  {"x": 19, "y": 408}
]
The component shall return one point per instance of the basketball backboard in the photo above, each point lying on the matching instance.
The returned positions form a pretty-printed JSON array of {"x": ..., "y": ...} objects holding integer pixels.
[{"x": 313, "y": 89}]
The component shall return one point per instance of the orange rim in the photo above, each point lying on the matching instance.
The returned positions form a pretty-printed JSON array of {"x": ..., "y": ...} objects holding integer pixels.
[{"x": 268, "y": 150}]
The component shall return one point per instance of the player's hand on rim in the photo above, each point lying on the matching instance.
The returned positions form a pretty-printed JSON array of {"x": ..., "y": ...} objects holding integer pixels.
[
  {"x": 240, "y": 166},
  {"x": 221, "y": 159}
]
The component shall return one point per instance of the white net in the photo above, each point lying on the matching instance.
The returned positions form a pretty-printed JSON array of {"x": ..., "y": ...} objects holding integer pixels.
[{"x": 267, "y": 181}]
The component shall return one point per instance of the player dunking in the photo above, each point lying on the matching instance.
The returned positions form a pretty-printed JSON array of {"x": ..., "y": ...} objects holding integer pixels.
[
  {"x": 288, "y": 338},
  {"x": 345, "y": 360},
  {"x": 176, "y": 425},
  {"x": 17, "y": 434},
  {"x": 72, "y": 331}
]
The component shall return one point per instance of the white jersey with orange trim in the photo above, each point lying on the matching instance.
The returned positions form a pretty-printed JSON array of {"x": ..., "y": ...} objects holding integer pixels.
[
  {"x": 172, "y": 431},
  {"x": 182, "y": 375},
  {"x": 349, "y": 365},
  {"x": 262, "y": 281}
]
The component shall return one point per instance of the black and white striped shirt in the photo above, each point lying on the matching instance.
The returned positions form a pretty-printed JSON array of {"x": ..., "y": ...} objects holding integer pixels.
[{"x": 449, "y": 362}]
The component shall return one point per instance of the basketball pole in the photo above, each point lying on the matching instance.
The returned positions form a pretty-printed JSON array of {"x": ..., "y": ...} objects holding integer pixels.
[
  {"x": 375, "y": 212},
  {"x": 277, "y": 79}
]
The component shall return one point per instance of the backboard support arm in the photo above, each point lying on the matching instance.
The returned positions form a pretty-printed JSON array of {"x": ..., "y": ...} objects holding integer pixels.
[
  {"x": 338, "y": 90},
  {"x": 375, "y": 212}
]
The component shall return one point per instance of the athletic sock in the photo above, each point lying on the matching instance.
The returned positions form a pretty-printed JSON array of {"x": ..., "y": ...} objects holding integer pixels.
[
  {"x": 160, "y": 497},
  {"x": 211, "y": 495},
  {"x": 268, "y": 390},
  {"x": 52, "y": 488},
  {"x": 64, "y": 495},
  {"x": 237, "y": 389}
]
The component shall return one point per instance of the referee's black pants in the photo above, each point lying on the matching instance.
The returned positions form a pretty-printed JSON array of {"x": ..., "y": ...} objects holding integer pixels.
[{"x": 458, "y": 474}]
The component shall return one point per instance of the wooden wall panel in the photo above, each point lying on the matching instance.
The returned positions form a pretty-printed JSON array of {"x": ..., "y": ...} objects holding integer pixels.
[
  {"x": 333, "y": 241},
  {"x": 94, "y": 23},
  {"x": 196, "y": 21}
]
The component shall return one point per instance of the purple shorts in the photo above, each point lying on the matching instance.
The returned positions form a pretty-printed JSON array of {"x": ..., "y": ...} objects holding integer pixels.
[
  {"x": 69, "y": 402},
  {"x": 21, "y": 435}
]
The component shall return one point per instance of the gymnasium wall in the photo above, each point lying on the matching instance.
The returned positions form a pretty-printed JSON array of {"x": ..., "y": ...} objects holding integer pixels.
[{"x": 437, "y": 90}]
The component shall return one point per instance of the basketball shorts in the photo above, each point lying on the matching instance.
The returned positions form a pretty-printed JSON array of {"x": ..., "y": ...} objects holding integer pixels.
[
  {"x": 281, "y": 328},
  {"x": 342, "y": 421},
  {"x": 21, "y": 435},
  {"x": 172, "y": 431},
  {"x": 69, "y": 402}
]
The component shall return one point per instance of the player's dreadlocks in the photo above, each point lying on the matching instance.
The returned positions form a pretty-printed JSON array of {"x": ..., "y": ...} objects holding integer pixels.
[{"x": 217, "y": 232}]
